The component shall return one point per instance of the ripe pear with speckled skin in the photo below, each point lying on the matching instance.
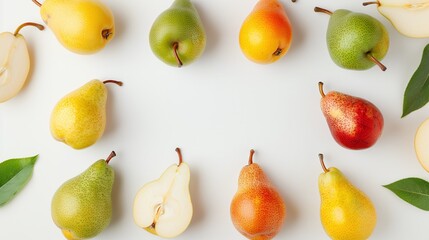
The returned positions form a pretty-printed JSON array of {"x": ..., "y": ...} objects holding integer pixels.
[
  {"x": 355, "y": 40},
  {"x": 345, "y": 211},
  {"x": 355, "y": 123},
  {"x": 257, "y": 209},
  {"x": 82, "y": 206},
  {"x": 79, "y": 118}
]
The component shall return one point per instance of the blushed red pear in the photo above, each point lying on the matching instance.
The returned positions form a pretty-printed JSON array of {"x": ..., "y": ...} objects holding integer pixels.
[{"x": 355, "y": 123}]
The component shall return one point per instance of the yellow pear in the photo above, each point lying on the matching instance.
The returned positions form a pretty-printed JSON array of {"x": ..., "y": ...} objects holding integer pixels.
[
  {"x": 81, "y": 26},
  {"x": 345, "y": 211},
  {"x": 79, "y": 118}
]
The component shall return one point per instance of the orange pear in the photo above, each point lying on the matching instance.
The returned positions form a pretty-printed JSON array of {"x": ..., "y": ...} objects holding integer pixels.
[
  {"x": 266, "y": 34},
  {"x": 257, "y": 209}
]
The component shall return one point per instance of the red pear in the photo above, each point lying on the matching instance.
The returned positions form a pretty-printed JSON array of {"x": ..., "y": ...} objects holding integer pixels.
[{"x": 355, "y": 123}]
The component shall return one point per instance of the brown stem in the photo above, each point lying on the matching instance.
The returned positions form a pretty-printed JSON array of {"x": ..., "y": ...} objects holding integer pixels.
[
  {"x": 39, "y": 26},
  {"x": 176, "y": 55},
  {"x": 322, "y": 93},
  {"x": 37, "y": 3},
  {"x": 278, "y": 52},
  {"x": 119, "y": 83},
  {"x": 369, "y": 3},
  {"x": 293, "y": 1},
  {"x": 106, "y": 33},
  {"x": 322, "y": 10},
  {"x": 375, "y": 60},
  {"x": 323, "y": 163},
  {"x": 180, "y": 156},
  {"x": 112, "y": 155},
  {"x": 252, "y": 152}
]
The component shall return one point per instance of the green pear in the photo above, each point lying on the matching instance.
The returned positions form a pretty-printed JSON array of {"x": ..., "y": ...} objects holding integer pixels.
[
  {"x": 177, "y": 36},
  {"x": 81, "y": 26},
  {"x": 345, "y": 211},
  {"x": 82, "y": 206},
  {"x": 79, "y": 118},
  {"x": 355, "y": 40}
]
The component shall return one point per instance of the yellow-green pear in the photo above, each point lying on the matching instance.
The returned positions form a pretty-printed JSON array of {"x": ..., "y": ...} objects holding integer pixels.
[
  {"x": 82, "y": 206},
  {"x": 345, "y": 211},
  {"x": 79, "y": 118},
  {"x": 81, "y": 26}
]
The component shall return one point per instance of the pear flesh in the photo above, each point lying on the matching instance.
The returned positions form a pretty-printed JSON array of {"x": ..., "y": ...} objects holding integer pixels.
[
  {"x": 79, "y": 119},
  {"x": 82, "y": 206},
  {"x": 421, "y": 145},
  {"x": 409, "y": 17},
  {"x": 14, "y": 65},
  {"x": 163, "y": 207},
  {"x": 345, "y": 211},
  {"x": 81, "y": 26}
]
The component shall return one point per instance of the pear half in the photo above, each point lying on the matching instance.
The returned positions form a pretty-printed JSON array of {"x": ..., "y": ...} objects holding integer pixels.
[
  {"x": 421, "y": 144},
  {"x": 409, "y": 17},
  {"x": 163, "y": 207},
  {"x": 14, "y": 62}
]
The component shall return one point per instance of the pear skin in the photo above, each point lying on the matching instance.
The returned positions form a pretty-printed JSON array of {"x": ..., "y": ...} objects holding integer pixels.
[
  {"x": 355, "y": 123},
  {"x": 79, "y": 118},
  {"x": 257, "y": 209},
  {"x": 266, "y": 34},
  {"x": 345, "y": 211},
  {"x": 81, "y": 26},
  {"x": 82, "y": 206}
]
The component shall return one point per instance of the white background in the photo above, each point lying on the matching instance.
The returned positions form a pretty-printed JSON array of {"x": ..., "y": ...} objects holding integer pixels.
[{"x": 215, "y": 109}]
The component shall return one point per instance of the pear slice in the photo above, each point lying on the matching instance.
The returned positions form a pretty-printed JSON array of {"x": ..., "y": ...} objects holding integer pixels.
[
  {"x": 14, "y": 62},
  {"x": 409, "y": 17},
  {"x": 421, "y": 144},
  {"x": 163, "y": 207}
]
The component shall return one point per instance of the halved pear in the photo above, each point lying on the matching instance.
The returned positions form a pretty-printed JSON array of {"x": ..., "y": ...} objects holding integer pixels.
[
  {"x": 421, "y": 144},
  {"x": 163, "y": 207},
  {"x": 14, "y": 62},
  {"x": 409, "y": 17}
]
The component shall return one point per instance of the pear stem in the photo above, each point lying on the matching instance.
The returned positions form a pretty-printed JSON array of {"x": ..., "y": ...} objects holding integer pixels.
[
  {"x": 252, "y": 152},
  {"x": 322, "y": 93},
  {"x": 369, "y": 3},
  {"x": 112, "y": 155},
  {"x": 37, "y": 3},
  {"x": 323, "y": 163},
  {"x": 119, "y": 83},
  {"x": 180, "y": 156},
  {"x": 106, "y": 33},
  {"x": 39, "y": 26},
  {"x": 322, "y": 10},
  {"x": 176, "y": 55},
  {"x": 375, "y": 60}
]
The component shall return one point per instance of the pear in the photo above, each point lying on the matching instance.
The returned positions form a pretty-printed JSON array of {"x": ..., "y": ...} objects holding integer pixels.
[
  {"x": 355, "y": 40},
  {"x": 81, "y": 26},
  {"x": 163, "y": 207},
  {"x": 177, "y": 36},
  {"x": 409, "y": 17},
  {"x": 257, "y": 209},
  {"x": 421, "y": 140},
  {"x": 82, "y": 206},
  {"x": 14, "y": 62},
  {"x": 345, "y": 211},
  {"x": 79, "y": 118},
  {"x": 355, "y": 123},
  {"x": 266, "y": 34}
]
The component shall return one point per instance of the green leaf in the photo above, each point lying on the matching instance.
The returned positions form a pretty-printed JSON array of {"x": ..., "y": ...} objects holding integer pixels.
[
  {"x": 415, "y": 191},
  {"x": 14, "y": 175},
  {"x": 417, "y": 92}
]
